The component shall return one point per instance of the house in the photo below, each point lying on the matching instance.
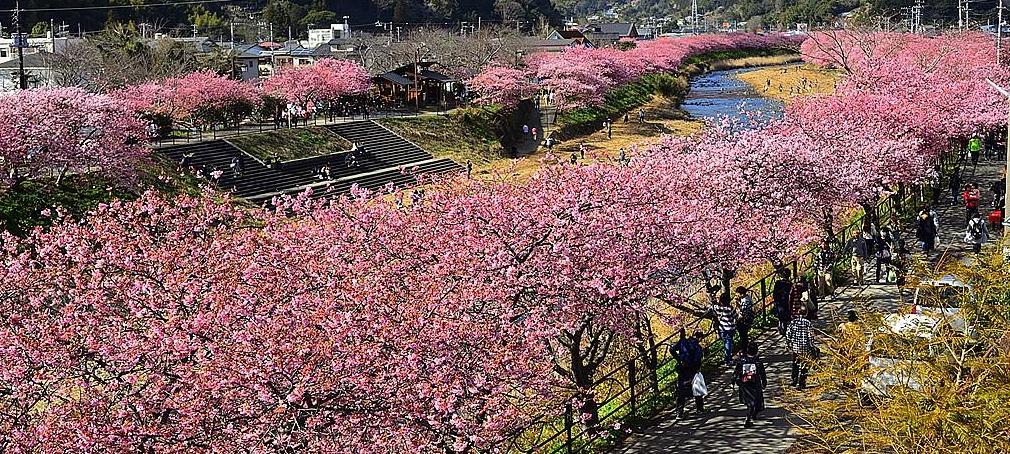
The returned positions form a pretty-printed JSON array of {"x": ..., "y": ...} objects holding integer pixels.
[
  {"x": 397, "y": 87},
  {"x": 201, "y": 44},
  {"x": 37, "y": 71},
  {"x": 40, "y": 44},
  {"x": 319, "y": 36},
  {"x": 607, "y": 34},
  {"x": 535, "y": 44},
  {"x": 567, "y": 34}
]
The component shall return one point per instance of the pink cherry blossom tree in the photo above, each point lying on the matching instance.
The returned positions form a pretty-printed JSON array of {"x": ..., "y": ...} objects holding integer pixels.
[
  {"x": 326, "y": 80},
  {"x": 51, "y": 131},
  {"x": 201, "y": 98}
]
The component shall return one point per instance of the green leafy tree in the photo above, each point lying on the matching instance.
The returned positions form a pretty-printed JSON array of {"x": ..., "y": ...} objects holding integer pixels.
[
  {"x": 319, "y": 19},
  {"x": 284, "y": 15},
  {"x": 207, "y": 22}
]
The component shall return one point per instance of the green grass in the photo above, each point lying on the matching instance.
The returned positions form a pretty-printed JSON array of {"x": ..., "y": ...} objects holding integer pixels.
[
  {"x": 21, "y": 206},
  {"x": 585, "y": 120},
  {"x": 289, "y": 144},
  {"x": 464, "y": 135}
]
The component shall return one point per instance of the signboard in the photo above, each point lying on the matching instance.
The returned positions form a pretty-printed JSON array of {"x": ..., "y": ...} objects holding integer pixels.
[{"x": 20, "y": 41}]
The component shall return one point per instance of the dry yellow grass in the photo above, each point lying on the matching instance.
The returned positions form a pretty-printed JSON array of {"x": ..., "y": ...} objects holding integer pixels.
[
  {"x": 787, "y": 82},
  {"x": 750, "y": 62},
  {"x": 662, "y": 117}
]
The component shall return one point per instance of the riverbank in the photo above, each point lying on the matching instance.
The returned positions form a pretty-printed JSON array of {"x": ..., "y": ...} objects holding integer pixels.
[
  {"x": 663, "y": 116},
  {"x": 787, "y": 82}
]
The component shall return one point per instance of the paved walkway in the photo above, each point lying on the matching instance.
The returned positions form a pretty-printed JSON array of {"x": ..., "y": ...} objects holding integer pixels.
[{"x": 720, "y": 428}]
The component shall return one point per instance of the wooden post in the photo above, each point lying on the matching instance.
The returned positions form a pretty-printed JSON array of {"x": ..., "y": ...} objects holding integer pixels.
[{"x": 631, "y": 385}]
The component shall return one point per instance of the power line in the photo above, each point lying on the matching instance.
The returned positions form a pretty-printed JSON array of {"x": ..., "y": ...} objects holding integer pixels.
[{"x": 148, "y": 5}]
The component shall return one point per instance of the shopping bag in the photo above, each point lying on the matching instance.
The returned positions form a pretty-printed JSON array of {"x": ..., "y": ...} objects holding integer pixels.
[{"x": 698, "y": 385}]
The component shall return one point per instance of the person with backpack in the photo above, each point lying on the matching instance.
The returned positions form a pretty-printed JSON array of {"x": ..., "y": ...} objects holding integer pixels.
[
  {"x": 977, "y": 233},
  {"x": 725, "y": 322},
  {"x": 689, "y": 355},
  {"x": 780, "y": 298},
  {"x": 800, "y": 337},
  {"x": 745, "y": 321},
  {"x": 750, "y": 377}
]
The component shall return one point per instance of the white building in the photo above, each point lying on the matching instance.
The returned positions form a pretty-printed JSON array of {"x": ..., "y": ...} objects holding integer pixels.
[
  {"x": 44, "y": 44},
  {"x": 319, "y": 36}
]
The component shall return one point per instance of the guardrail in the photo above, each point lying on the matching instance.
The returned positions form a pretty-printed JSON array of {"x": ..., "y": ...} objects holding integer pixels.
[{"x": 627, "y": 388}]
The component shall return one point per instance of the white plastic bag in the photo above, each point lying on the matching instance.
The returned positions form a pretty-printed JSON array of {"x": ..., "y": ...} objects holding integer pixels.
[{"x": 698, "y": 385}]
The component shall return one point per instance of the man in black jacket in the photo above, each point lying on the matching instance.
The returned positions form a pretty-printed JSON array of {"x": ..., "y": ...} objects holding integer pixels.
[{"x": 780, "y": 298}]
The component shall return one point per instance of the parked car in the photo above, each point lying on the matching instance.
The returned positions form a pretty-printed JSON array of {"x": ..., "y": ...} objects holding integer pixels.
[
  {"x": 898, "y": 352},
  {"x": 942, "y": 299}
]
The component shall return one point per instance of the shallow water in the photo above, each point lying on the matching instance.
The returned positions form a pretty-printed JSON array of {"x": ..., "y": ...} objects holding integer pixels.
[{"x": 720, "y": 94}]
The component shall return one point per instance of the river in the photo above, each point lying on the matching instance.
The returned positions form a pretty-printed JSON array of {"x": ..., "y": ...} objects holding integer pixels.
[{"x": 720, "y": 94}]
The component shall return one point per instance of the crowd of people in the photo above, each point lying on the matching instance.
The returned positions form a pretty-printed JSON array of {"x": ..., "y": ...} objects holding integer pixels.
[{"x": 878, "y": 255}]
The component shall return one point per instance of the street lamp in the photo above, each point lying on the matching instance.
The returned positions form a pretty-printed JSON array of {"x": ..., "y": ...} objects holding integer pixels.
[
  {"x": 1006, "y": 188},
  {"x": 417, "y": 86}
]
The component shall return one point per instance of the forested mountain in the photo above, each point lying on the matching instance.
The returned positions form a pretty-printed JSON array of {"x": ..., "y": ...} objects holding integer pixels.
[
  {"x": 215, "y": 15},
  {"x": 254, "y": 17}
]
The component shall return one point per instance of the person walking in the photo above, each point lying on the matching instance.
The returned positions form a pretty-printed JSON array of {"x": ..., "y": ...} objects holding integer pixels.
[
  {"x": 535, "y": 141},
  {"x": 582, "y": 150},
  {"x": 954, "y": 184},
  {"x": 725, "y": 321},
  {"x": 971, "y": 197},
  {"x": 883, "y": 256},
  {"x": 799, "y": 336},
  {"x": 641, "y": 115},
  {"x": 469, "y": 169},
  {"x": 975, "y": 150},
  {"x": 574, "y": 159},
  {"x": 925, "y": 231},
  {"x": 976, "y": 233},
  {"x": 824, "y": 263},
  {"x": 621, "y": 156},
  {"x": 526, "y": 131},
  {"x": 860, "y": 252},
  {"x": 689, "y": 355},
  {"x": 749, "y": 375},
  {"x": 780, "y": 298},
  {"x": 998, "y": 190},
  {"x": 745, "y": 321}
]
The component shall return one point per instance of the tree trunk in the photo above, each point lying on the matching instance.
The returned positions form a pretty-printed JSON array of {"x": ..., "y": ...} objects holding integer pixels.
[{"x": 646, "y": 347}]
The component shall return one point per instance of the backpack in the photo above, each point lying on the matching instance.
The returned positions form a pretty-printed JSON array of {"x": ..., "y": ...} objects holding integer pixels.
[
  {"x": 975, "y": 228},
  {"x": 748, "y": 372},
  {"x": 689, "y": 353}
]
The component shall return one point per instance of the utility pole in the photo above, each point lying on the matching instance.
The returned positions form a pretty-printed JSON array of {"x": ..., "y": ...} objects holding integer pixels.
[
  {"x": 960, "y": 16},
  {"x": 20, "y": 42},
  {"x": 1006, "y": 196},
  {"x": 417, "y": 88},
  {"x": 999, "y": 36},
  {"x": 194, "y": 34},
  {"x": 694, "y": 17}
]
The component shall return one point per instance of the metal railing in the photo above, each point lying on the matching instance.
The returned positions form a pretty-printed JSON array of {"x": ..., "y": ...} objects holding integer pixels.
[
  {"x": 185, "y": 135},
  {"x": 628, "y": 388}
]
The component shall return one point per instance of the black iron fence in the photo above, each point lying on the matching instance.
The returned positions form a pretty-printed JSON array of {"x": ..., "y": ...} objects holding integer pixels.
[
  {"x": 182, "y": 134},
  {"x": 627, "y": 389}
]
